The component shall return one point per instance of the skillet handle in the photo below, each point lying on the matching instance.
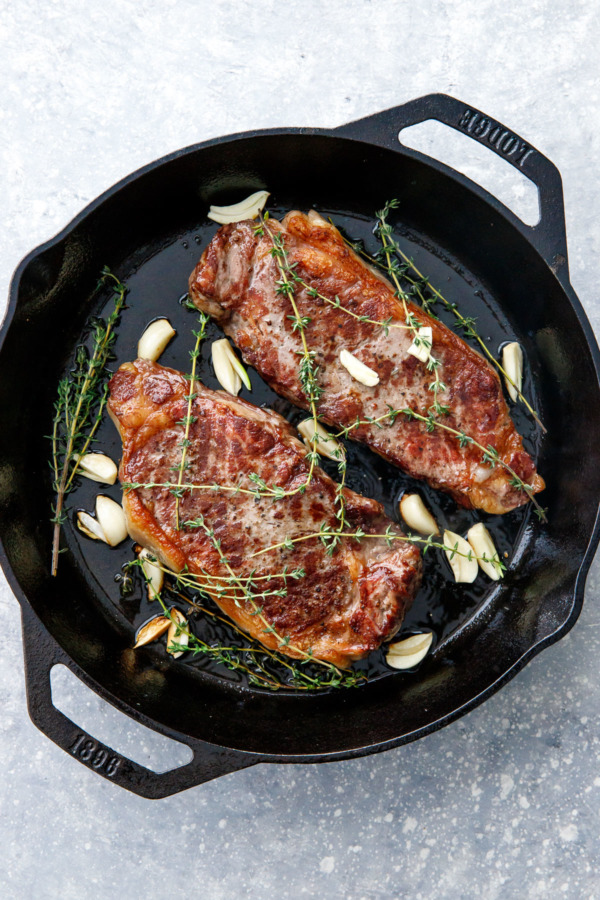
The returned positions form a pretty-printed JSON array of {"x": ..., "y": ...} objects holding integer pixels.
[
  {"x": 42, "y": 653},
  {"x": 549, "y": 235}
]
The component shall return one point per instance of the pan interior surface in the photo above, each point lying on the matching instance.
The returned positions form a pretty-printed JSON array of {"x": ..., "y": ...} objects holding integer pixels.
[{"x": 151, "y": 231}]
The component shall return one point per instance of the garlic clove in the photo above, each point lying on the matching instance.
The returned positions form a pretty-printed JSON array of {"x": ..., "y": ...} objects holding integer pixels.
[
  {"x": 325, "y": 445},
  {"x": 97, "y": 467},
  {"x": 416, "y": 515},
  {"x": 512, "y": 363},
  {"x": 155, "y": 339},
  {"x": 236, "y": 364},
  {"x": 422, "y": 343},
  {"x": 464, "y": 569},
  {"x": 90, "y": 526},
  {"x": 239, "y": 212},
  {"x": 111, "y": 517},
  {"x": 407, "y": 653},
  {"x": 226, "y": 375},
  {"x": 483, "y": 546},
  {"x": 241, "y": 205},
  {"x": 222, "y": 219},
  {"x": 151, "y": 631},
  {"x": 153, "y": 574},
  {"x": 358, "y": 370},
  {"x": 182, "y": 638}
]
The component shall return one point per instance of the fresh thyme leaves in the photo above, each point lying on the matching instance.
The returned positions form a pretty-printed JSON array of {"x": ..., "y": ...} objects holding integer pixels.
[
  {"x": 247, "y": 596},
  {"x": 397, "y": 264},
  {"x": 489, "y": 457},
  {"x": 489, "y": 454},
  {"x": 78, "y": 409},
  {"x": 308, "y": 372},
  {"x": 385, "y": 233},
  {"x": 290, "y": 279},
  {"x": 467, "y": 324},
  {"x": 425, "y": 543},
  {"x": 189, "y": 420},
  {"x": 305, "y": 673}
]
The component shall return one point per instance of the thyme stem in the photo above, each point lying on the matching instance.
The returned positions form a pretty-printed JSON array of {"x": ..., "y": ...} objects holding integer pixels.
[
  {"x": 230, "y": 655},
  {"x": 308, "y": 371},
  {"x": 203, "y": 319},
  {"x": 389, "y": 536},
  {"x": 256, "y": 609},
  {"x": 467, "y": 323},
  {"x": 437, "y": 386},
  {"x": 81, "y": 400}
]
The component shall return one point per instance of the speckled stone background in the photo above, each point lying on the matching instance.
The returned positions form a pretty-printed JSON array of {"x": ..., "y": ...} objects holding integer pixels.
[{"x": 503, "y": 803}]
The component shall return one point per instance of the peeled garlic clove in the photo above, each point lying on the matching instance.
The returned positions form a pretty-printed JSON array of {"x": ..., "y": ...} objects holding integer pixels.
[
  {"x": 223, "y": 219},
  {"x": 512, "y": 363},
  {"x": 155, "y": 339},
  {"x": 153, "y": 574},
  {"x": 242, "y": 205},
  {"x": 407, "y": 653},
  {"x": 358, "y": 370},
  {"x": 97, "y": 467},
  {"x": 182, "y": 638},
  {"x": 326, "y": 445},
  {"x": 483, "y": 546},
  {"x": 422, "y": 343},
  {"x": 111, "y": 517},
  {"x": 236, "y": 364},
  {"x": 227, "y": 377},
  {"x": 151, "y": 631},
  {"x": 416, "y": 515},
  {"x": 90, "y": 526},
  {"x": 238, "y": 212},
  {"x": 464, "y": 569}
]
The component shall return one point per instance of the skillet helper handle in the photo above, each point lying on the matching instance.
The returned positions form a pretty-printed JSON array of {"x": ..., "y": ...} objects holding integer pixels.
[
  {"x": 549, "y": 235},
  {"x": 42, "y": 653}
]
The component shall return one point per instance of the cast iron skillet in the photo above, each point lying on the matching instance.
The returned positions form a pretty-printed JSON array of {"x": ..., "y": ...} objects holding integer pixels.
[{"x": 513, "y": 276}]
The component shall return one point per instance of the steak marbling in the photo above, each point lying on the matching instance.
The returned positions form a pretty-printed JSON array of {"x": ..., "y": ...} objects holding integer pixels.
[
  {"x": 346, "y": 604},
  {"x": 236, "y": 282}
]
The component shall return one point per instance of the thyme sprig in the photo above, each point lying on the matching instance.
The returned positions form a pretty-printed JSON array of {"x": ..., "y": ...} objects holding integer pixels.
[
  {"x": 234, "y": 659},
  {"x": 490, "y": 455},
  {"x": 247, "y": 658},
  {"x": 189, "y": 419},
  {"x": 385, "y": 233},
  {"x": 235, "y": 655},
  {"x": 412, "y": 324},
  {"x": 78, "y": 409},
  {"x": 420, "y": 285},
  {"x": 247, "y": 597},
  {"x": 468, "y": 325},
  {"x": 230, "y": 657},
  {"x": 308, "y": 371},
  {"x": 426, "y": 543}
]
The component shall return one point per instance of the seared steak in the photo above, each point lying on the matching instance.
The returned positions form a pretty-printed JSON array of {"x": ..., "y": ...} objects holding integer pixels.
[
  {"x": 236, "y": 281},
  {"x": 344, "y": 605}
]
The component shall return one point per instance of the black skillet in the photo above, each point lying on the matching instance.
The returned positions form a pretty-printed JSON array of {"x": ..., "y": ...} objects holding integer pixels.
[{"x": 149, "y": 229}]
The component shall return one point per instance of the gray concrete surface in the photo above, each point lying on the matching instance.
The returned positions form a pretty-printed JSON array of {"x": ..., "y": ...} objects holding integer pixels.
[{"x": 502, "y": 804}]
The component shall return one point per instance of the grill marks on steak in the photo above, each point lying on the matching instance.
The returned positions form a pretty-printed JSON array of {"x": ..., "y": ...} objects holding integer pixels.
[
  {"x": 236, "y": 282},
  {"x": 346, "y": 604}
]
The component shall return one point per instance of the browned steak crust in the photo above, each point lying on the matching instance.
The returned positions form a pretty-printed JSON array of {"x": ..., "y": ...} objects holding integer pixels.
[
  {"x": 236, "y": 282},
  {"x": 346, "y": 604}
]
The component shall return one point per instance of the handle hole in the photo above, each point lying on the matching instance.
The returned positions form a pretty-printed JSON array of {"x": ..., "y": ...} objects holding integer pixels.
[
  {"x": 477, "y": 162},
  {"x": 105, "y": 723}
]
